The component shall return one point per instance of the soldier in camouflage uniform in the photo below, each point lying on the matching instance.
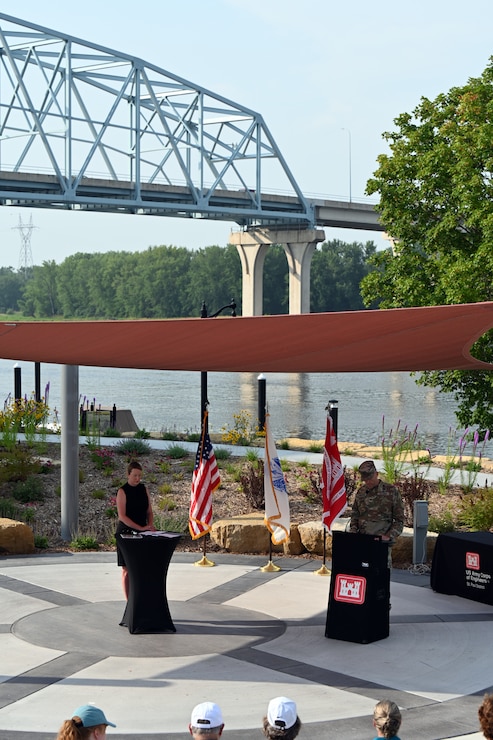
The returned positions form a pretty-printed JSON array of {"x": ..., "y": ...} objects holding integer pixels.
[{"x": 377, "y": 507}]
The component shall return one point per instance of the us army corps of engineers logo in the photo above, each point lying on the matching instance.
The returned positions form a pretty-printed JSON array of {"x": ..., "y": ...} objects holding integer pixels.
[{"x": 350, "y": 589}]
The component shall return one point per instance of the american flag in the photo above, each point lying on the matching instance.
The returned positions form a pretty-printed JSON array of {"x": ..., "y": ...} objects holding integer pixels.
[
  {"x": 205, "y": 480},
  {"x": 334, "y": 499},
  {"x": 277, "y": 518}
]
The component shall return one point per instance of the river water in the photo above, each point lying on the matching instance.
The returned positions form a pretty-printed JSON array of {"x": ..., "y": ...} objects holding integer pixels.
[{"x": 170, "y": 401}]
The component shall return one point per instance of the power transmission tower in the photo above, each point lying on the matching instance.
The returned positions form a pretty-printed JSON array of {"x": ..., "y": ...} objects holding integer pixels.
[{"x": 25, "y": 256}]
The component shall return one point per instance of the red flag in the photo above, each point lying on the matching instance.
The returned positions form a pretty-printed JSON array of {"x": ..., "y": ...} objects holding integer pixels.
[
  {"x": 205, "y": 480},
  {"x": 334, "y": 497}
]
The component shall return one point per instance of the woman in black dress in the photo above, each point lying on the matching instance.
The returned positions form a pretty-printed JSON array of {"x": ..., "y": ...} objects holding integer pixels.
[{"x": 134, "y": 512}]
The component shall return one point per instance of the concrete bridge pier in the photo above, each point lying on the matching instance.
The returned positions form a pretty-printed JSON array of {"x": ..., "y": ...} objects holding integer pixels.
[{"x": 298, "y": 244}]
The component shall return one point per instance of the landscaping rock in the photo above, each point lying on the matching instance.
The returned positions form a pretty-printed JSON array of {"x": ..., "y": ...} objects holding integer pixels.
[{"x": 16, "y": 537}]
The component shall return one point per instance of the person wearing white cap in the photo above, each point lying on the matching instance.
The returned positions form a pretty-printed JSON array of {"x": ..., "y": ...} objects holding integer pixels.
[
  {"x": 282, "y": 721},
  {"x": 87, "y": 723},
  {"x": 206, "y": 719}
]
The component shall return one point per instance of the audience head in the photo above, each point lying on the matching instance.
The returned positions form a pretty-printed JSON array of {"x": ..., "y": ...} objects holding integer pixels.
[
  {"x": 485, "y": 714},
  {"x": 206, "y": 719},
  {"x": 87, "y": 723},
  {"x": 387, "y": 718},
  {"x": 282, "y": 721}
]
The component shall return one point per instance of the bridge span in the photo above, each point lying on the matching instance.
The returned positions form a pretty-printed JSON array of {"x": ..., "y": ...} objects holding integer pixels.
[{"x": 85, "y": 127}]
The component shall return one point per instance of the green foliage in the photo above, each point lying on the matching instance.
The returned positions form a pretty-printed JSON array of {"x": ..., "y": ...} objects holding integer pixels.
[
  {"x": 165, "y": 503},
  {"x": 176, "y": 452},
  {"x": 398, "y": 446},
  {"x": 84, "y": 542},
  {"x": 111, "y": 432},
  {"x": 476, "y": 510},
  {"x": 98, "y": 494},
  {"x": 142, "y": 434},
  {"x": 221, "y": 453},
  {"x": 41, "y": 541},
  {"x": 315, "y": 447},
  {"x": 284, "y": 444},
  {"x": 28, "y": 490},
  {"x": 252, "y": 456},
  {"x": 341, "y": 266},
  {"x": 18, "y": 463},
  {"x": 171, "y": 522},
  {"x": 285, "y": 465},
  {"x": 11, "y": 510},
  {"x": 164, "y": 466},
  {"x": 442, "y": 524},
  {"x": 165, "y": 488},
  {"x": 243, "y": 431},
  {"x": 436, "y": 188},
  {"x": 132, "y": 447}
]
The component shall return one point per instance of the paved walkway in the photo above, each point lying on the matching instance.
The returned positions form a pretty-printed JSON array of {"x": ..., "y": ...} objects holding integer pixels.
[{"x": 243, "y": 636}]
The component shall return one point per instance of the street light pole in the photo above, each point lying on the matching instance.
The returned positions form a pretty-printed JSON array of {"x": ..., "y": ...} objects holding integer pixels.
[
  {"x": 204, "y": 402},
  {"x": 350, "y": 164}
]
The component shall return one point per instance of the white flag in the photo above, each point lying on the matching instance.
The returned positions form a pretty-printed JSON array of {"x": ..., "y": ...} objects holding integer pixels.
[{"x": 275, "y": 493}]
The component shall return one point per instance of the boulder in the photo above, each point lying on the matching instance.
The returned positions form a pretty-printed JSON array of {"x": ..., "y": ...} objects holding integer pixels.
[
  {"x": 247, "y": 533},
  {"x": 16, "y": 537},
  {"x": 402, "y": 551},
  {"x": 312, "y": 535}
]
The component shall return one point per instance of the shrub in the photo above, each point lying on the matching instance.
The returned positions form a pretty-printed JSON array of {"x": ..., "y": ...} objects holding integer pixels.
[
  {"x": 142, "y": 434},
  {"x": 164, "y": 466},
  {"x": 28, "y": 490},
  {"x": 166, "y": 504},
  {"x": 476, "y": 510},
  {"x": 221, "y": 453},
  {"x": 112, "y": 432},
  {"x": 176, "y": 452},
  {"x": 41, "y": 541},
  {"x": 171, "y": 522},
  {"x": 10, "y": 509},
  {"x": 132, "y": 447},
  {"x": 18, "y": 464},
  {"x": 284, "y": 444},
  {"x": 84, "y": 542},
  {"x": 98, "y": 494},
  {"x": 442, "y": 524},
  {"x": 315, "y": 447},
  {"x": 413, "y": 488},
  {"x": 252, "y": 483},
  {"x": 164, "y": 489},
  {"x": 103, "y": 458}
]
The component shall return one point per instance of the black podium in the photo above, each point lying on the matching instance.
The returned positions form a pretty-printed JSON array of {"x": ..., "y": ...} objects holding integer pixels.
[
  {"x": 463, "y": 565},
  {"x": 147, "y": 558},
  {"x": 359, "y": 597}
]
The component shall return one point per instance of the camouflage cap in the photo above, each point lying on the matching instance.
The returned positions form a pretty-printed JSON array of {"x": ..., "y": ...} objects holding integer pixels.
[{"x": 367, "y": 468}]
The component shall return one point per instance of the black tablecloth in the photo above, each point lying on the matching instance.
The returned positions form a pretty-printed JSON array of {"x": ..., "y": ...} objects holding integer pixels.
[
  {"x": 463, "y": 565},
  {"x": 147, "y": 559}
]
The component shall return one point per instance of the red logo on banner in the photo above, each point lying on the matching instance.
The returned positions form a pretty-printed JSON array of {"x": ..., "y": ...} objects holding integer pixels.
[
  {"x": 472, "y": 560},
  {"x": 350, "y": 589}
]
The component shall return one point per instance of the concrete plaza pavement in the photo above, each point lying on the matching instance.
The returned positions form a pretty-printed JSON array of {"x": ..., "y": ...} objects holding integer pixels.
[{"x": 243, "y": 636}]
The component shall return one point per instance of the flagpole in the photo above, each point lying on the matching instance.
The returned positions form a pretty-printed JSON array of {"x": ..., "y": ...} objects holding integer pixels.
[
  {"x": 204, "y": 562},
  {"x": 331, "y": 408},
  {"x": 270, "y": 567}
]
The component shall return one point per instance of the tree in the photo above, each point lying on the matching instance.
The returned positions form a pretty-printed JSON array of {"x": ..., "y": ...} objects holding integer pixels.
[
  {"x": 436, "y": 201},
  {"x": 337, "y": 271},
  {"x": 40, "y": 294},
  {"x": 11, "y": 288}
]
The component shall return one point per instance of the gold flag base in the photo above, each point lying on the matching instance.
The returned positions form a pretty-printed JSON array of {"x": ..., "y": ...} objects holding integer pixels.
[
  {"x": 270, "y": 568},
  {"x": 323, "y": 571},
  {"x": 204, "y": 563}
]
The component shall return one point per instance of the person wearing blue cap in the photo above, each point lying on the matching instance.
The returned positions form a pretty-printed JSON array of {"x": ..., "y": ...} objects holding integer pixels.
[{"x": 87, "y": 723}]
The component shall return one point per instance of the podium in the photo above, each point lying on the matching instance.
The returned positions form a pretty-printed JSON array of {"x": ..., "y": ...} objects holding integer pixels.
[
  {"x": 147, "y": 558},
  {"x": 359, "y": 597}
]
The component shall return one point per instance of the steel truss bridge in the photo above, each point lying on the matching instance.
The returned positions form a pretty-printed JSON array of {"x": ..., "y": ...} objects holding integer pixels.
[{"x": 89, "y": 128}]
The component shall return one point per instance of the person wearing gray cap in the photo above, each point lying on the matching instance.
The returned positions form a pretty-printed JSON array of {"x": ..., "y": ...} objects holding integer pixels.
[
  {"x": 206, "y": 719},
  {"x": 282, "y": 721},
  {"x": 377, "y": 507},
  {"x": 87, "y": 723}
]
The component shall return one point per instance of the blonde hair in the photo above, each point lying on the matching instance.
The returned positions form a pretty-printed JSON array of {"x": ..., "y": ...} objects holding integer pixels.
[{"x": 387, "y": 718}]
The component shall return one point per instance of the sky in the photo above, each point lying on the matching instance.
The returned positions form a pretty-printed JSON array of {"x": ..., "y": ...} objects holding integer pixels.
[{"x": 328, "y": 78}]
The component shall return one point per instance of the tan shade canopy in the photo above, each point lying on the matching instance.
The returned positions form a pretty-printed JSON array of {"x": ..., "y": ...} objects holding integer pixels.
[{"x": 429, "y": 338}]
